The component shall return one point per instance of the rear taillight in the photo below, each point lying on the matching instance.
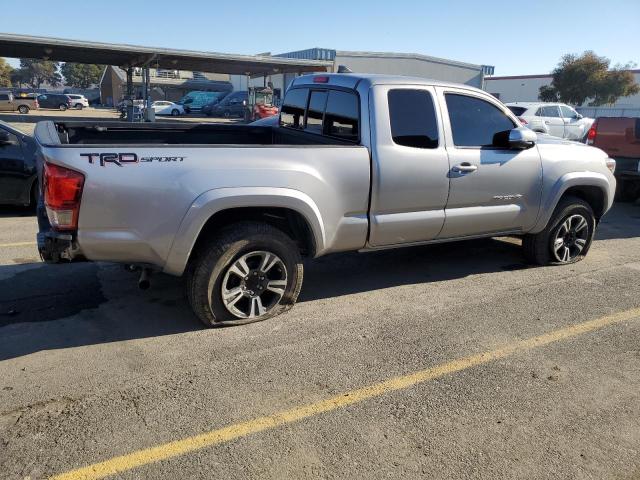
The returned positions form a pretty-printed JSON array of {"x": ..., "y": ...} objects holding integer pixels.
[
  {"x": 62, "y": 191},
  {"x": 591, "y": 134},
  {"x": 522, "y": 121}
]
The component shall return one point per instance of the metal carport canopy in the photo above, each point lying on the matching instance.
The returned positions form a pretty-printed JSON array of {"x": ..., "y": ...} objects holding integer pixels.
[{"x": 121, "y": 55}]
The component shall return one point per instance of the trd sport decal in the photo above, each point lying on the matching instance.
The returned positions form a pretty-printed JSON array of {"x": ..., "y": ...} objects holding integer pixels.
[{"x": 121, "y": 159}]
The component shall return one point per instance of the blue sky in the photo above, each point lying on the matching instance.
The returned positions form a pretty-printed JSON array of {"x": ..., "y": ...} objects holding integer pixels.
[{"x": 518, "y": 37}]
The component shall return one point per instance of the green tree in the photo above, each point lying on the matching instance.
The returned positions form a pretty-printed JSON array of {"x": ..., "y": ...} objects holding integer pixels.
[
  {"x": 81, "y": 75},
  {"x": 5, "y": 73},
  {"x": 38, "y": 72},
  {"x": 587, "y": 76}
]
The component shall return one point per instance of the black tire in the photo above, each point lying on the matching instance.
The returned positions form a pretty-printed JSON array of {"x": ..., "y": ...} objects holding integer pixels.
[
  {"x": 23, "y": 109},
  {"x": 62, "y": 107},
  {"x": 207, "y": 269},
  {"x": 538, "y": 248},
  {"x": 79, "y": 106},
  {"x": 175, "y": 112}
]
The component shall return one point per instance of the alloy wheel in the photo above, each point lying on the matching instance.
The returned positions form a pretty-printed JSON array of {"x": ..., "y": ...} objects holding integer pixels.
[
  {"x": 254, "y": 284},
  {"x": 571, "y": 238}
]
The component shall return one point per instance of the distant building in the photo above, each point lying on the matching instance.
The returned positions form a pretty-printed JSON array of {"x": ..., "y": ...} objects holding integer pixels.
[
  {"x": 526, "y": 88},
  {"x": 165, "y": 84},
  {"x": 411, "y": 64}
]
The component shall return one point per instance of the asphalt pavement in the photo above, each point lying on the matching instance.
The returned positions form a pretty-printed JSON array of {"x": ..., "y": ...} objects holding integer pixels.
[{"x": 445, "y": 361}]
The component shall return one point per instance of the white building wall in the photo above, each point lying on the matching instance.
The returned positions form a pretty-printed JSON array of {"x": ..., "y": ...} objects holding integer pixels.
[
  {"x": 526, "y": 88},
  {"x": 411, "y": 65},
  {"x": 516, "y": 89}
]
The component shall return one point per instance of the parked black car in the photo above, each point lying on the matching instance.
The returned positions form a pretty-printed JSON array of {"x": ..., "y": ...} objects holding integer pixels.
[
  {"x": 233, "y": 105},
  {"x": 208, "y": 107},
  {"x": 56, "y": 101},
  {"x": 18, "y": 176}
]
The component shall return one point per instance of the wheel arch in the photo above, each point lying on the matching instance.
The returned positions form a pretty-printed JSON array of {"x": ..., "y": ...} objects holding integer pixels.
[
  {"x": 593, "y": 188},
  {"x": 289, "y": 210}
]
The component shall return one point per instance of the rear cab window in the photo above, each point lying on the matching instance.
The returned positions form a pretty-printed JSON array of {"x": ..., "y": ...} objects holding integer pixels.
[{"x": 323, "y": 111}]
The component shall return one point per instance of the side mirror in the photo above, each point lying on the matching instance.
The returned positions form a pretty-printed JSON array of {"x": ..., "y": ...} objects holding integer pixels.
[
  {"x": 578, "y": 116},
  {"x": 4, "y": 138},
  {"x": 521, "y": 138}
]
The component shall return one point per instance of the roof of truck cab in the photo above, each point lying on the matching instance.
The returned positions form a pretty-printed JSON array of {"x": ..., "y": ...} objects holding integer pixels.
[{"x": 352, "y": 79}]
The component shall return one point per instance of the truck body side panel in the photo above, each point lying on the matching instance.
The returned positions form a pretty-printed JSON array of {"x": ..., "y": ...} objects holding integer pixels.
[{"x": 132, "y": 212}]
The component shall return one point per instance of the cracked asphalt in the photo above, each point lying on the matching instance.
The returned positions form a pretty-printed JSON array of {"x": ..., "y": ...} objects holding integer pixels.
[{"x": 92, "y": 368}]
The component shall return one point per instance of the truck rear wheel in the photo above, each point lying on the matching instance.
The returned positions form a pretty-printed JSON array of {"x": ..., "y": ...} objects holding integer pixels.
[
  {"x": 566, "y": 238},
  {"x": 247, "y": 273}
]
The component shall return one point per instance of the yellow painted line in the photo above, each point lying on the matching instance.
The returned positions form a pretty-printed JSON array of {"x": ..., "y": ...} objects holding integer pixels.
[
  {"x": 165, "y": 451},
  {"x": 18, "y": 244}
]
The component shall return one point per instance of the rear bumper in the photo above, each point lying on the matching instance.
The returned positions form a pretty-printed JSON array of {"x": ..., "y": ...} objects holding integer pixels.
[{"x": 55, "y": 247}]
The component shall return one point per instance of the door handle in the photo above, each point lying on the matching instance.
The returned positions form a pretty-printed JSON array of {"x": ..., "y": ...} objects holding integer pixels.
[
  {"x": 547, "y": 122},
  {"x": 464, "y": 167}
]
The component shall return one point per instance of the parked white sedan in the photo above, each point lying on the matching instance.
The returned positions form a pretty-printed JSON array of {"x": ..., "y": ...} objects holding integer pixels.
[
  {"x": 556, "y": 119},
  {"x": 163, "y": 107}
]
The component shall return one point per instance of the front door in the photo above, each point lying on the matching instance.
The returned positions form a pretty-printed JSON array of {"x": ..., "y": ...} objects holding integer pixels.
[
  {"x": 493, "y": 188},
  {"x": 410, "y": 180}
]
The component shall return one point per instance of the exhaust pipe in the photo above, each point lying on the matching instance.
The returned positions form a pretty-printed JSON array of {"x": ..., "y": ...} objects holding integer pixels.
[{"x": 145, "y": 279}]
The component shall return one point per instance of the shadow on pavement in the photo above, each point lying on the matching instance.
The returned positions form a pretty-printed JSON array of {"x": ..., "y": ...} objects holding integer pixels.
[
  {"x": 622, "y": 221},
  {"x": 11, "y": 211},
  {"x": 46, "y": 307},
  {"x": 344, "y": 274}
]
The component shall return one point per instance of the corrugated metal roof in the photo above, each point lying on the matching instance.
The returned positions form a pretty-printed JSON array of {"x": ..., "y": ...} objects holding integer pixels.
[{"x": 122, "y": 55}]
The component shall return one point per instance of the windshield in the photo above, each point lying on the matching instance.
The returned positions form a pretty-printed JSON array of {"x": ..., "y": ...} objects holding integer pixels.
[{"x": 263, "y": 98}]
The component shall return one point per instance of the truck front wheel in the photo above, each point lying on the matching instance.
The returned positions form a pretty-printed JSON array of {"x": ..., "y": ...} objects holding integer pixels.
[
  {"x": 246, "y": 273},
  {"x": 566, "y": 238}
]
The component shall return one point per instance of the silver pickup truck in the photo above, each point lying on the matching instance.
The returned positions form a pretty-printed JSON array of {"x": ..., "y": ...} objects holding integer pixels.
[{"x": 357, "y": 162}]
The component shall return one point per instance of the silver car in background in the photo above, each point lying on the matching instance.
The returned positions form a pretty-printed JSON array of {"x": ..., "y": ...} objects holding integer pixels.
[{"x": 557, "y": 119}]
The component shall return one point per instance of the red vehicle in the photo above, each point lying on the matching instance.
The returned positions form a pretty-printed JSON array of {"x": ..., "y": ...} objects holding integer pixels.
[
  {"x": 619, "y": 137},
  {"x": 260, "y": 104}
]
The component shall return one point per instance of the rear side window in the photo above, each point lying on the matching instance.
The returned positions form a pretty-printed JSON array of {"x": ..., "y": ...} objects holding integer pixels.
[
  {"x": 413, "y": 118},
  {"x": 4, "y": 96},
  {"x": 341, "y": 115},
  {"x": 476, "y": 122},
  {"x": 293, "y": 108},
  {"x": 517, "y": 111},
  {"x": 551, "y": 111}
]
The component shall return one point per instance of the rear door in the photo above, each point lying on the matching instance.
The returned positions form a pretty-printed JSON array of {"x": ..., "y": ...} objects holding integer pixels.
[
  {"x": 410, "y": 180},
  {"x": 552, "y": 119},
  {"x": 492, "y": 188}
]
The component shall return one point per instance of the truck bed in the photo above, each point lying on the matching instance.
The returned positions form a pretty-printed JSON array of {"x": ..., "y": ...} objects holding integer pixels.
[
  {"x": 174, "y": 133},
  {"x": 143, "y": 184}
]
